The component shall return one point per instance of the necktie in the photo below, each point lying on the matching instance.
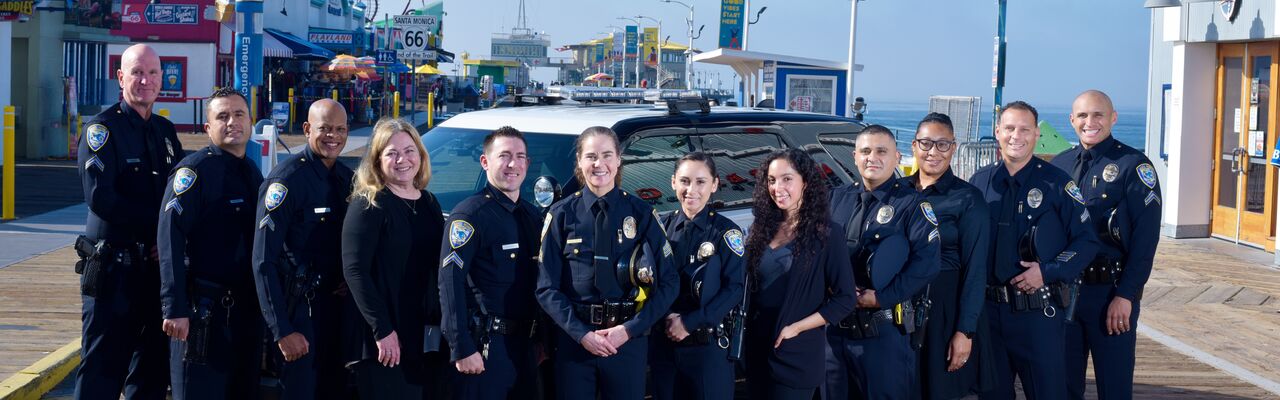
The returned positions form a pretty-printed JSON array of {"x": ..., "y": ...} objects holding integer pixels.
[
  {"x": 857, "y": 224},
  {"x": 602, "y": 250},
  {"x": 1007, "y": 234},
  {"x": 1082, "y": 166}
]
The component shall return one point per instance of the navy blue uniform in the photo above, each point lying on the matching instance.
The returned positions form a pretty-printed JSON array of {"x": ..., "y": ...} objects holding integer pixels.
[
  {"x": 708, "y": 255},
  {"x": 489, "y": 268},
  {"x": 124, "y": 161},
  {"x": 1029, "y": 330},
  {"x": 957, "y": 292},
  {"x": 575, "y": 293},
  {"x": 206, "y": 246},
  {"x": 882, "y": 366},
  {"x": 1119, "y": 186},
  {"x": 299, "y": 224}
]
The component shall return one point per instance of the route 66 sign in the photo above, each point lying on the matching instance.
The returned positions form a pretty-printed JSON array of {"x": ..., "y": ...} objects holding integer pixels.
[{"x": 1229, "y": 8}]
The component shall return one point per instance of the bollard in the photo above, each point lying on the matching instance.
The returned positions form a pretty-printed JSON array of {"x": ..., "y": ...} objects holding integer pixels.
[
  {"x": 291, "y": 107},
  {"x": 335, "y": 94},
  {"x": 163, "y": 112},
  {"x": 431, "y": 109},
  {"x": 395, "y": 105},
  {"x": 6, "y": 210}
]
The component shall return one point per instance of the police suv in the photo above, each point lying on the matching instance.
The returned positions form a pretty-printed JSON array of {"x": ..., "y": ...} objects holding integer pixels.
[{"x": 654, "y": 135}]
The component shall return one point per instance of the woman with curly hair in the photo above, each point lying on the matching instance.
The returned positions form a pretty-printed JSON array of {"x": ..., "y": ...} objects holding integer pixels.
[{"x": 799, "y": 277}]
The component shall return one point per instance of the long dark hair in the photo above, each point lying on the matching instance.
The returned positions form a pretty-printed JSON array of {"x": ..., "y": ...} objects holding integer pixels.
[{"x": 811, "y": 230}]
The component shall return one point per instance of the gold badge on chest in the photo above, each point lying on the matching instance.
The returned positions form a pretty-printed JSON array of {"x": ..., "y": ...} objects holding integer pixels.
[{"x": 629, "y": 227}]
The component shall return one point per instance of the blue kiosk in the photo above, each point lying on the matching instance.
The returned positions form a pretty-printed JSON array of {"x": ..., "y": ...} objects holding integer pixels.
[{"x": 786, "y": 82}]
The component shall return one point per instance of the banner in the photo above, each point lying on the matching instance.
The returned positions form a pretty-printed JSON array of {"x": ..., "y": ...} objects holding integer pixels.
[
  {"x": 632, "y": 39},
  {"x": 650, "y": 47},
  {"x": 617, "y": 42},
  {"x": 732, "y": 19},
  {"x": 16, "y": 10},
  {"x": 599, "y": 53}
]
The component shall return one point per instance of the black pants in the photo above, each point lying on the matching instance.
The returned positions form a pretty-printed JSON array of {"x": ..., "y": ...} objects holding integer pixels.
[
  {"x": 580, "y": 374},
  {"x": 233, "y": 355},
  {"x": 376, "y": 381},
  {"x": 123, "y": 346},
  {"x": 509, "y": 371},
  {"x": 690, "y": 371},
  {"x": 320, "y": 373}
]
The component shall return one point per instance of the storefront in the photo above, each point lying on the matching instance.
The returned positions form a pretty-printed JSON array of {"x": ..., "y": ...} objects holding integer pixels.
[{"x": 188, "y": 45}]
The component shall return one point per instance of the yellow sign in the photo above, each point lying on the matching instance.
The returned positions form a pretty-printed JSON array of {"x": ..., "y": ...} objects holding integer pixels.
[
  {"x": 650, "y": 46},
  {"x": 12, "y": 10}
]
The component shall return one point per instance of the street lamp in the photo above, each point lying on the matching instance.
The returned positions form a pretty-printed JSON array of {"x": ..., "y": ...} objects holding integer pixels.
[
  {"x": 688, "y": 52},
  {"x": 853, "y": 30},
  {"x": 747, "y": 28},
  {"x": 657, "y": 72},
  {"x": 639, "y": 32}
]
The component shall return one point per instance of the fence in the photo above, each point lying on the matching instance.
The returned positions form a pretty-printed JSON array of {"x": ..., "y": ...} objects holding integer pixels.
[{"x": 973, "y": 155}]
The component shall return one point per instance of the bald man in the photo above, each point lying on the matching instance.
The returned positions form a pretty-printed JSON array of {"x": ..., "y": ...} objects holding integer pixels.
[
  {"x": 297, "y": 261},
  {"x": 125, "y": 154},
  {"x": 1122, "y": 192}
]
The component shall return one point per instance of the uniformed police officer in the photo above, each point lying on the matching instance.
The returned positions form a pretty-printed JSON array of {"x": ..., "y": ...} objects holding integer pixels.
[
  {"x": 691, "y": 360},
  {"x": 1122, "y": 192},
  {"x": 893, "y": 242},
  {"x": 1041, "y": 244},
  {"x": 126, "y": 153},
  {"x": 206, "y": 245},
  {"x": 593, "y": 301},
  {"x": 489, "y": 268},
  {"x": 297, "y": 262}
]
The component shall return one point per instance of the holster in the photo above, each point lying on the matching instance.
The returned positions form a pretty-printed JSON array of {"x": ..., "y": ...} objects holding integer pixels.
[
  {"x": 1103, "y": 270},
  {"x": 201, "y": 328},
  {"x": 91, "y": 265},
  {"x": 1066, "y": 295},
  {"x": 736, "y": 327}
]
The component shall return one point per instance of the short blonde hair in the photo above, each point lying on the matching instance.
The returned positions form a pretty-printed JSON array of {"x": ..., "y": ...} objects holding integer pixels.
[{"x": 370, "y": 178}]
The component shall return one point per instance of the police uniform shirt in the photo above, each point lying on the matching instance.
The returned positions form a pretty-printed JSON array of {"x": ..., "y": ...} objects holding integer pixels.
[
  {"x": 567, "y": 274},
  {"x": 1116, "y": 176},
  {"x": 892, "y": 208},
  {"x": 124, "y": 160},
  {"x": 708, "y": 255},
  {"x": 302, "y": 205},
  {"x": 206, "y": 226},
  {"x": 1038, "y": 190},
  {"x": 493, "y": 241},
  {"x": 960, "y": 209}
]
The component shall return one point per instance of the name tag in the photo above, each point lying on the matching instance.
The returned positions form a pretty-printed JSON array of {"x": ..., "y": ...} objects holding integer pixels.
[
  {"x": 573, "y": 241},
  {"x": 133, "y": 160},
  {"x": 321, "y": 210},
  {"x": 237, "y": 201},
  {"x": 511, "y": 246}
]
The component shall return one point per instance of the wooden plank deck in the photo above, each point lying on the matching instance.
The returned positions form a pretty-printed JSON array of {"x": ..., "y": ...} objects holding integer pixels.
[{"x": 39, "y": 308}]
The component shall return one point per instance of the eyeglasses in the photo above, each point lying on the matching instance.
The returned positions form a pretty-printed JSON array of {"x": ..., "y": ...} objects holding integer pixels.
[{"x": 927, "y": 144}]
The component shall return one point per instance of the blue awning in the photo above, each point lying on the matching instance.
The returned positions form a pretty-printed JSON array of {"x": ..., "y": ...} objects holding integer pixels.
[{"x": 301, "y": 47}]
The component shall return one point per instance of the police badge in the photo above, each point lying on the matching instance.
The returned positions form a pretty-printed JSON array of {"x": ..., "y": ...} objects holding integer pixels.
[
  {"x": 1147, "y": 174},
  {"x": 275, "y": 196},
  {"x": 734, "y": 239},
  {"x": 97, "y": 136},
  {"x": 1035, "y": 197},
  {"x": 182, "y": 180},
  {"x": 885, "y": 214},
  {"x": 629, "y": 227},
  {"x": 460, "y": 232},
  {"x": 1110, "y": 172},
  {"x": 706, "y": 249}
]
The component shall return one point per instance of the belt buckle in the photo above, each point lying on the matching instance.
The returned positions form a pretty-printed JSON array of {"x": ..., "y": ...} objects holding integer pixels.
[{"x": 597, "y": 314}]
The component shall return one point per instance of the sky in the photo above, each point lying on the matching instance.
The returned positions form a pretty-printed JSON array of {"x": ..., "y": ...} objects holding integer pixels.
[{"x": 910, "y": 49}]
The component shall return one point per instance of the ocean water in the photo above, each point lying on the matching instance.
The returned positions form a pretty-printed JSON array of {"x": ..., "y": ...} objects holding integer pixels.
[{"x": 903, "y": 117}]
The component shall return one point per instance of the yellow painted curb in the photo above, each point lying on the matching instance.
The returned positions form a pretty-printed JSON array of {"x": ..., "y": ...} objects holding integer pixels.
[{"x": 36, "y": 380}]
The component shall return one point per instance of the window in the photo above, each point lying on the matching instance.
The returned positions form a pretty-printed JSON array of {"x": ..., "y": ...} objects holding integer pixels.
[
  {"x": 811, "y": 93},
  {"x": 455, "y": 162},
  {"x": 647, "y": 165},
  {"x": 840, "y": 146},
  {"x": 738, "y": 156}
]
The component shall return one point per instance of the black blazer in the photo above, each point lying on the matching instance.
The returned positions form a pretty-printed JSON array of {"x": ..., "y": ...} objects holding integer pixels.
[
  {"x": 823, "y": 285},
  {"x": 390, "y": 289}
]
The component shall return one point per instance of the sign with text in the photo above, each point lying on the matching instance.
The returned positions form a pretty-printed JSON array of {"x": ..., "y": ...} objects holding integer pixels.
[
  {"x": 414, "y": 32},
  {"x": 385, "y": 58},
  {"x": 528, "y": 50},
  {"x": 330, "y": 38},
  {"x": 650, "y": 45},
  {"x": 732, "y": 20},
  {"x": 172, "y": 20},
  {"x": 633, "y": 40},
  {"x": 14, "y": 10}
]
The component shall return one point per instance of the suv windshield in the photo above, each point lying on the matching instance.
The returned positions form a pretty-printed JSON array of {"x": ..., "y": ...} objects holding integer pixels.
[{"x": 455, "y": 162}]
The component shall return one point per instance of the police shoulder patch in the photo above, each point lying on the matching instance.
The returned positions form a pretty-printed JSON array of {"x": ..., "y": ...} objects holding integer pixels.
[
  {"x": 460, "y": 231},
  {"x": 1147, "y": 174},
  {"x": 1074, "y": 192},
  {"x": 183, "y": 179},
  {"x": 276, "y": 193},
  {"x": 658, "y": 221},
  {"x": 733, "y": 238},
  {"x": 927, "y": 209},
  {"x": 97, "y": 135}
]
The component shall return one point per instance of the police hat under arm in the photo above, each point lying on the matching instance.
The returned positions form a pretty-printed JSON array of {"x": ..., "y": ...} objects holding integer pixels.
[
  {"x": 1067, "y": 204},
  {"x": 722, "y": 252}
]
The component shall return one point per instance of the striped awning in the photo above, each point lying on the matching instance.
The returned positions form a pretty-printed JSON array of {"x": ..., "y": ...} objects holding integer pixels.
[{"x": 271, "y": 47}]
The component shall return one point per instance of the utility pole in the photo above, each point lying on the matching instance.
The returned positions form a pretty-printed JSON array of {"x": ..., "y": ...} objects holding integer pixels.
[
  {"x": 997, "y": 78},
  {"x": 853, "y": 31}
]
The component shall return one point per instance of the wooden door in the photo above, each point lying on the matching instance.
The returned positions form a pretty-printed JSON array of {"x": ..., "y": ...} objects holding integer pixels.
[{"x": 1244, "y": 184}]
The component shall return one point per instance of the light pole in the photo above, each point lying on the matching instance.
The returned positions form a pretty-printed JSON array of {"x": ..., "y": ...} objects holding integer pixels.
[
  {"x": 657, "y": 72},
  {"x": 853, "y": 30},
  {"x": 688, "y": 52},
  {"x": 747, "y": 28},
  {"x": 639, "y": 31},
  {"x": 614, "y": 63},
  {"x": 997, "y": 81}
]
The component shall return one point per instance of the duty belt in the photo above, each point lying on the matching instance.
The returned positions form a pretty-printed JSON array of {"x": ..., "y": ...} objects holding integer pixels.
[
  {"x": 606, "y": 315},
  {"x": 864, "y": 323},
  {"x": 1103, "y": 270},
  {"x": 504, "y": 326},
  {"x": 1038, "y": 300},
  {"x": 214, "y": 291}
]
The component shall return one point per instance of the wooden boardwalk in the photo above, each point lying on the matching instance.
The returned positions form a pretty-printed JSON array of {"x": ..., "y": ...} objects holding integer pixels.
[{"x": 39, "y": 308}]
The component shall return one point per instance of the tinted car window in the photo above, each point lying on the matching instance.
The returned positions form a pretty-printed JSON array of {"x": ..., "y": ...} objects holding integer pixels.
[
  {"x": 738, "y": 156},
  {"x": 455, "y": 162},
  {"x": 841, "y": 146},
  {"x": 647, "y": 165}
]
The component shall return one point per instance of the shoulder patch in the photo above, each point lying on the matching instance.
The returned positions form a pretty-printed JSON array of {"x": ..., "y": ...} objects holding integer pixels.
[
  {"x": 1074, "y": 192},
  {"x": 1147, "y": 174},
  {"x": 275, "y": 196},
  {"x": 927, "y": 209},
  {"x": 183, "y": 179},
  {"x": 97, "y": 135},
  {"x": 460, "y": 231},
  {"x": 658, "y": 220},
  {"x": 174, "y": 205},
  {"x": 733, "y": 238},
  {"x": 94, "y": 162}
]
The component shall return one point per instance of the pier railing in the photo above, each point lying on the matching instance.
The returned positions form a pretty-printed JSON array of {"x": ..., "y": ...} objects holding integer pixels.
[{"x": 973, "y": 155}]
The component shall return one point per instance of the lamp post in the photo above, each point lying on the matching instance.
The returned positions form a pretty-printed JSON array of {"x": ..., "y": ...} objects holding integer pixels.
[
  {"x": 688, "y": 52},
  {"x": 657, "y": 72},
  {"x": 853, "y": 30},
  {"x": 997, "y": 80},
  {"x": 747, "y": 27},
  {"x": 639, "y": 31}
]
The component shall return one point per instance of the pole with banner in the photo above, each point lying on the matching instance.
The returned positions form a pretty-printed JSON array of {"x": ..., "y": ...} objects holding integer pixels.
[
  {"x": 415, "y": 30},
  {"x": 248, "y": 39}
]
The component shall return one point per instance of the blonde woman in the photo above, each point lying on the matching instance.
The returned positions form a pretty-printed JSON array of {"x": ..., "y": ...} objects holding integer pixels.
[{"x": 390, "y": 244}]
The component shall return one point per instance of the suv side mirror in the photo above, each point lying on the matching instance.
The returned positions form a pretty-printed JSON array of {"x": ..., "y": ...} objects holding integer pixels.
[{"x": 546, "y": 190}]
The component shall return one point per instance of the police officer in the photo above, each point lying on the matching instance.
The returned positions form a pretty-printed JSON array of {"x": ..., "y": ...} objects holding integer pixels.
[
  {"x": 1041, "y": 243},
  {"x": 206, "y": 245},
  {"x": 126, "y": 152},
  {"x": 297, "y": 262},
  {"x": 595, "y": 302},
  {"x": 691, "y": 360},
  {"x": 893, "y": 242},
  {"x": 489, "y": 268},
  {"x": 1122, "y": 192}
]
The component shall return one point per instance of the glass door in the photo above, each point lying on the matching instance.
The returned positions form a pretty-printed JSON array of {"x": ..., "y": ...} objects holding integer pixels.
[{"x": 1244, "y": 184}]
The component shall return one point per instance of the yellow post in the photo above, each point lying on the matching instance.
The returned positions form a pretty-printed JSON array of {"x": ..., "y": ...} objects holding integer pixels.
[
  {"x": 163, "y": 112},
  {"x": 291, "y": 106},
  {"x": 6, "y": 212},
  {"x": 335, "y": 94},
  {"x": 431, "y": 109},
  {"x": 395, "y": 105}
]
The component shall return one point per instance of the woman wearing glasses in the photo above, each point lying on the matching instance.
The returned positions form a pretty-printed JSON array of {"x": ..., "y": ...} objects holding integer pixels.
[{"x": 948, "y": 366}]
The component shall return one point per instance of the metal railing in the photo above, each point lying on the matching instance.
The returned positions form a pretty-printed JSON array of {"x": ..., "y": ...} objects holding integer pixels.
[{"x": 972, "y": 156}]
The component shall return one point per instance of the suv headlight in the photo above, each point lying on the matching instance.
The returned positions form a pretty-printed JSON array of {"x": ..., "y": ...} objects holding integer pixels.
[{"x": 545, "y": 191}]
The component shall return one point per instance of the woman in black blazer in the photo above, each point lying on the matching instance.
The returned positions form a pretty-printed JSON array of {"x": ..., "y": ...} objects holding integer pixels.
[
  {"x": 390, "y": 247},
  {"x": 799, "y": 276}
]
